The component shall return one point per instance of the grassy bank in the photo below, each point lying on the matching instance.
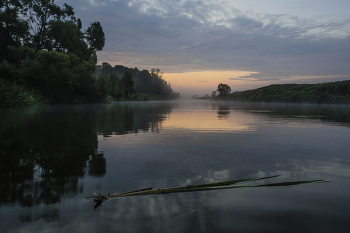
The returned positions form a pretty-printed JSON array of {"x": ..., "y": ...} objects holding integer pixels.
[
  {"x": 332, "y": 92},
  {"x": 13, "y": 95}
]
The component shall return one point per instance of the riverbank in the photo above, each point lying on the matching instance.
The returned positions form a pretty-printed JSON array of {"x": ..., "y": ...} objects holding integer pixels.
[
  {"x": 332, "y": 92},
  {"x": 14, "y": 95}
]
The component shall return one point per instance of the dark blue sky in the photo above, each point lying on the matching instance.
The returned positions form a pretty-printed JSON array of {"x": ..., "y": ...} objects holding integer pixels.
[{"x": 277, "y": 41}]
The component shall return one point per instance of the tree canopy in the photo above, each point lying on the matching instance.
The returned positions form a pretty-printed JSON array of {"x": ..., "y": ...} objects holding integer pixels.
[
  {"x": 223, "y": 90},
  {"x": 144, "y": 81},
  {"x": 43, "y": 46},
  {"x": 41, "y": 24}
]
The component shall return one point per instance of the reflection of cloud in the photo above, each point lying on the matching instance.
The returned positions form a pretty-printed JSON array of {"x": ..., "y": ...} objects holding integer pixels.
[
  {"x": 337, "y": 168},
  {"x": 207, "y": 121}
]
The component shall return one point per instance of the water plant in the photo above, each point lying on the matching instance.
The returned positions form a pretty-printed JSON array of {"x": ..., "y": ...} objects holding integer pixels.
[{"x": 100, "y": 198}]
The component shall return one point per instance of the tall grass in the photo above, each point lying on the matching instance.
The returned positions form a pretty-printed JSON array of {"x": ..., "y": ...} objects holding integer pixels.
[{"x": 13, "y": 95}]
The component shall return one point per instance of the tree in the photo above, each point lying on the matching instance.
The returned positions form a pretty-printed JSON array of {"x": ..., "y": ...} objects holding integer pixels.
[
  {"x": 116, "y": 86},
  {"x": 105, "y": 68},
  {"x": 43, "y": 46},
  {"x": 95, "y": 36},
  {"x": 41, "y": 24},
  {"x": 128, "y": 84},
  {"x": 223, "y": 90},
  {"x": 144, "y": 81},
  {"x": 213, "y": 94},
  {"x": 40, "y": 14},
  {"x": 13, "y": 29}
]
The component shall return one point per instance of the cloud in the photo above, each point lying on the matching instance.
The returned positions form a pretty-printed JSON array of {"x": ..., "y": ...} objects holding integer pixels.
[{"x": 184, "y": 36}]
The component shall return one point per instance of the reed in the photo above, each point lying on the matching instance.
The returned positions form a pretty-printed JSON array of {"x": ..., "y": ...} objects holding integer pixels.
[
  {"x": 14, "y": 95},
  {"x": 99, "y": 198}
]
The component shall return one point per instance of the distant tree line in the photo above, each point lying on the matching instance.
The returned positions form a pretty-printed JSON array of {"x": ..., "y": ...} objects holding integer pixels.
[
  {"x": 331, "y": 93},
  {"x": 139, "y": 81},
  {"x": 222, "y": 92}
]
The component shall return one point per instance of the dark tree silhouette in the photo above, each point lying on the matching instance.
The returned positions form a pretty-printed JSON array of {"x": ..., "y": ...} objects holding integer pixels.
[{"x": 223, "y": 90}]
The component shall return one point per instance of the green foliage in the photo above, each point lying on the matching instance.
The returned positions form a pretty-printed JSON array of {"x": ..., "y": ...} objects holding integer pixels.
[
  {"x": 43, "y": 47},
  {"x": 41, "y": 24},
  {"x": 144, "y": 81},
  {"x": 12, "y": 27},
  {"x": 66, "y": 37},
  {"x": 223, "y": 90},
  {"x": 13, "y": 95},
  {"x": 61, "y": 77},
  {"x": 116, "y": 89},
  {"x": 128, "y": 84},
  {"x": 95, "y": 36},
  {"x": 333, "y": 92},
  {"x": 110, "y": 87}
]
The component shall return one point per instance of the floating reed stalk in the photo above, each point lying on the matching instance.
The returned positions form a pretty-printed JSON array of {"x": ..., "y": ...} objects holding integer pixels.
[{"x": 99, "y": 198}]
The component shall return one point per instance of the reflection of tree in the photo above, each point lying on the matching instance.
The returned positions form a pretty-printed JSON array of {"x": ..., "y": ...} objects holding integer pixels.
[
  {"x": 124, "y": 118},
  {"x": 43, "y": 154},
  {"x": 223, "y": 111},
  {"x": 44, "y": 151},
  {"x": 48, "y": 214},
  {"x": 331, "y": 113},
  {"x": 97, "y": 165}
]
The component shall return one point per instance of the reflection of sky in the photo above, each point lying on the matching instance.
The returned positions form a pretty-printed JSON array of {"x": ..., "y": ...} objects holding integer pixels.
[
  {"x": 185, "y": 151},
  {"x": 208, "y": 121}
]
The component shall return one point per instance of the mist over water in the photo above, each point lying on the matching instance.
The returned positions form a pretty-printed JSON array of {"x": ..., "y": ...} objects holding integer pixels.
[{"x": 54, "y": 157}]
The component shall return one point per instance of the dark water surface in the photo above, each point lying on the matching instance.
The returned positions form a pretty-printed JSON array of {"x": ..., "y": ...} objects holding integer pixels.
[{"x": 52, "y": 157}]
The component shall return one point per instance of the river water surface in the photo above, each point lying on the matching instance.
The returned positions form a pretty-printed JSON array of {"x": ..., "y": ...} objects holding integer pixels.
[{"x": 53, "y": 157}]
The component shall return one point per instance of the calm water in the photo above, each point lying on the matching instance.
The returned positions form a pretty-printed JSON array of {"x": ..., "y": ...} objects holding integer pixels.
[{"x": 51, "y": 158}]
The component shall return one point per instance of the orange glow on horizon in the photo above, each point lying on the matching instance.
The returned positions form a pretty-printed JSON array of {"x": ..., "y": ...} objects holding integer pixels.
[
  {"x": 204, "y": 82},
  {"x": 205, "y": 79}
]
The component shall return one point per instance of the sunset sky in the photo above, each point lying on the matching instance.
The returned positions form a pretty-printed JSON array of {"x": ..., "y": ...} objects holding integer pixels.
[{"x": 243, "y": 43}]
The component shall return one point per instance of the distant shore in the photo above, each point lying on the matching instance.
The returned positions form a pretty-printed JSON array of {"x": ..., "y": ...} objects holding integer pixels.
[{"x": 332, "y": 92}]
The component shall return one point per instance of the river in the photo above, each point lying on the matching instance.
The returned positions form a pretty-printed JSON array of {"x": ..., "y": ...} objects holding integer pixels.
[{"x": 53, "y": 157}]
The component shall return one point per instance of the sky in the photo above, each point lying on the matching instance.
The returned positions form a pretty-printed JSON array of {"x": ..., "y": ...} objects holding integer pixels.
[{"x": 243, "y": 43}]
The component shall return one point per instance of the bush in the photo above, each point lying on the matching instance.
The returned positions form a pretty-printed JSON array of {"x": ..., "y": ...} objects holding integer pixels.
[{"x": 13, "y": 95}]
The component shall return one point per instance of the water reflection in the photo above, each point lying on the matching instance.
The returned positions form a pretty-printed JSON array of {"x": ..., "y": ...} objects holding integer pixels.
[
  {"x": 208, "y": 117},
  {"x": 51, "y": 158},
  {"x": 327, "y": 113},
  {"x": 224, "y": 111},
  {"x": 45, "y": 151}
]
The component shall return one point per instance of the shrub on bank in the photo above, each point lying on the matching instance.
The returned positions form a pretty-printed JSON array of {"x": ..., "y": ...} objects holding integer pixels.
[{"x": 13, "y": 95}]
